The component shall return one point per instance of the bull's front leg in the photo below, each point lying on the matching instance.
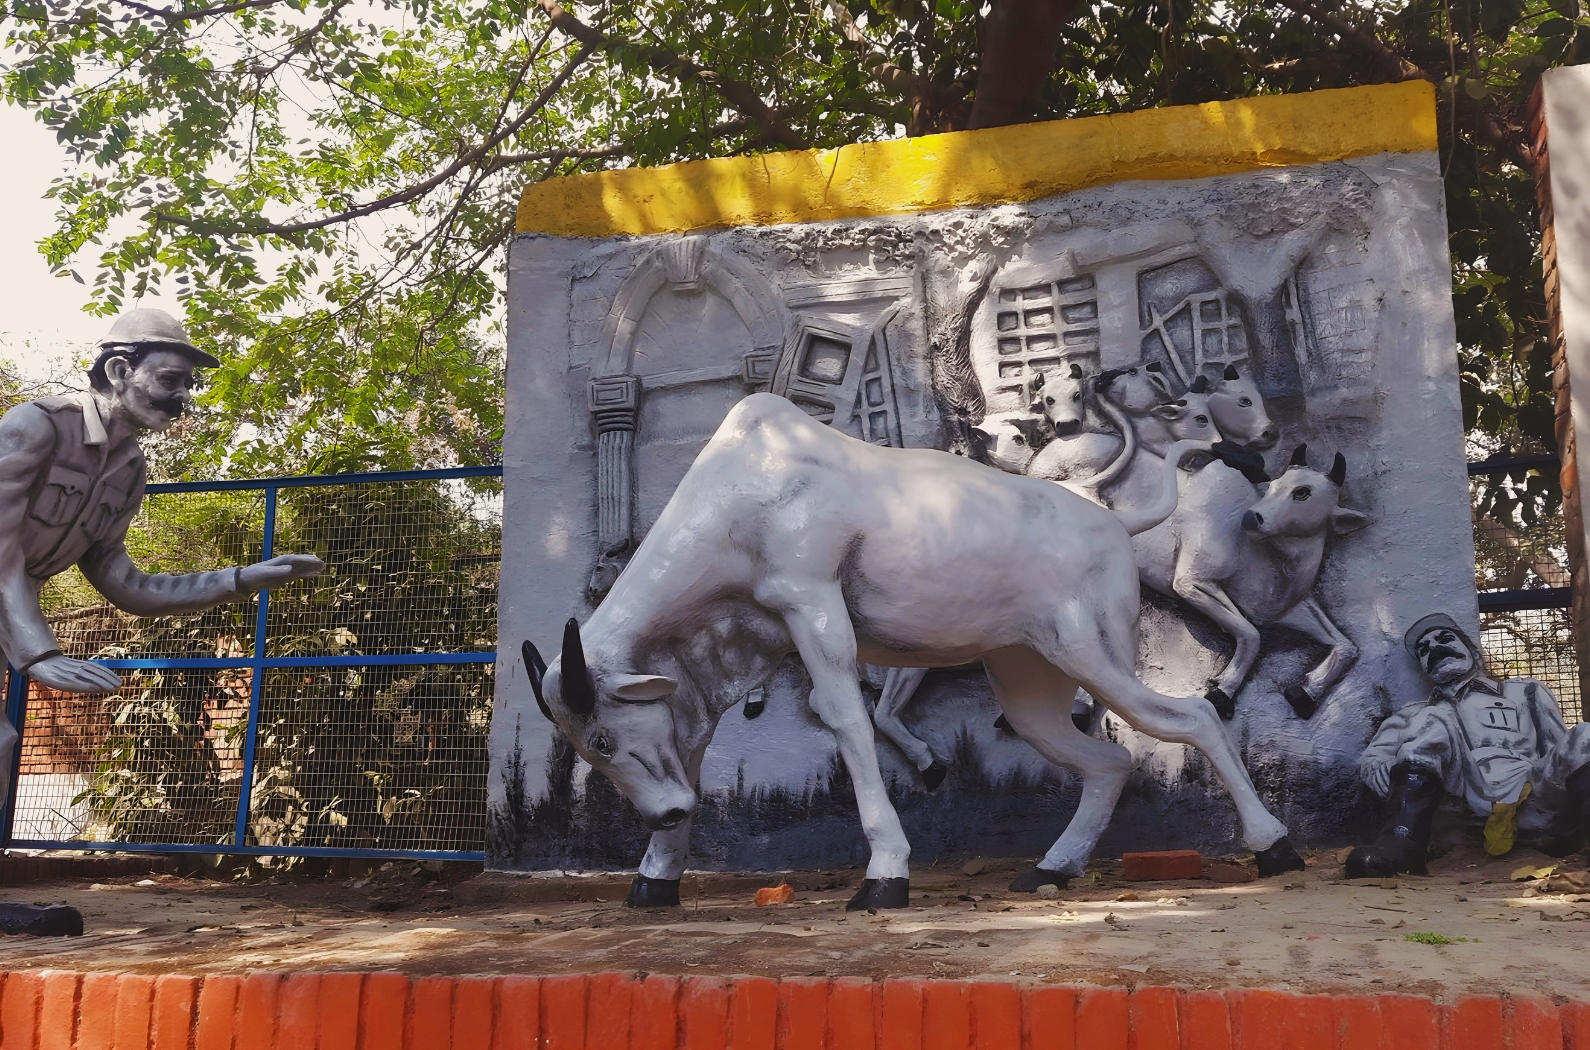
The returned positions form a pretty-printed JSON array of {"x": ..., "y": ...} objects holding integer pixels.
[
  {"x": 819, "y": 625},
  {"x": 1306, "y": 617},
  {"x": 657, "y": 883}
]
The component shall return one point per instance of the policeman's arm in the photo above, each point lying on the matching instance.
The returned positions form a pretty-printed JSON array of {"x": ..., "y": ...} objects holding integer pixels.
[
  {"x": 26, "y": 439},
  {"x": 1374, "y": 765},
  {"x": 109, "y": 567}
]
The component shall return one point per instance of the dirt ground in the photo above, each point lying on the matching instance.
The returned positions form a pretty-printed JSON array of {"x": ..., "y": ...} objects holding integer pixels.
[{"x": 1313, "y": 932}]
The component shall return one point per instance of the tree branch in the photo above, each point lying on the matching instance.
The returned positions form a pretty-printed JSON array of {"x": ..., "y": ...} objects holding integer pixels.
[
  {"x": 1482, "y": 124},
  {"x": 737, "y": 93},
  {"x": 464, "y": 161},
  {"x": 1019, "y": 42},
  {"x": 172, "y": 14}
]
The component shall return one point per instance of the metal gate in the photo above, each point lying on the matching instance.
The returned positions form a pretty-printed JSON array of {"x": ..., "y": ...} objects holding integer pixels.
[{"x": 343, "y": 715}]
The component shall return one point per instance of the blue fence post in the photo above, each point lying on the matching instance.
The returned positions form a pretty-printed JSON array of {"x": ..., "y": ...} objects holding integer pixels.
[
  {"x": 16, "y": 711},
  {"x": 257, "y": 684}
]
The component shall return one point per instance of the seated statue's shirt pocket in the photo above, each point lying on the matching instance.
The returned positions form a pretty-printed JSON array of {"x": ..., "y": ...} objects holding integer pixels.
[{"x": 61, "y": 499}]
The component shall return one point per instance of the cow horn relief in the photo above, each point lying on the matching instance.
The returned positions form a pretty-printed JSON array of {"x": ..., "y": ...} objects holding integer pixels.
[
  {"x": 1300, "y": 457},
  {"x": 579, "y": 692},
  {"x": 1338, "y": 472},
  {"x": 537, "y": 668},
  {"x": 1200, "y": 385}
]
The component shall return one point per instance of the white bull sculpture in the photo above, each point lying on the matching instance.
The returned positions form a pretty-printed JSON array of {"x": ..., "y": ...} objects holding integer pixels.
[{"x": 786, "y": 535}]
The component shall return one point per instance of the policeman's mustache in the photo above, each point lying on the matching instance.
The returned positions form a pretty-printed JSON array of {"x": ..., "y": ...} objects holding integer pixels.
[
  {"x": 1440, "y": 652},
  {"x": 171, "y": 406}
]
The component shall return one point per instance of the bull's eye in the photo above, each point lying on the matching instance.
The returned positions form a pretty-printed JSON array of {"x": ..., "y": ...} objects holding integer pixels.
[
  {"x": 1048, "y": 400},
  {"x": 1301, "y": 494},
  {"x": 1077, "y": 396},
  {"x": 1245, "y": 402},
  {"x": 1201, "y": 420},
  {"x": 602, "y": 745},
  {"x": 1131, "y": 371},
  {"x": 1018, "y": 439}
]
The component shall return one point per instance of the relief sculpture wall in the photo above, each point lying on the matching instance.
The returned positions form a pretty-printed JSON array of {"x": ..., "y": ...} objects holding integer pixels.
[{"x": 1298, "y": 315}]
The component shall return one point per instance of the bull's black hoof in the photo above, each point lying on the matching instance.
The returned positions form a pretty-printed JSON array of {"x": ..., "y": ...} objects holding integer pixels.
[
  {"x": 1224, "y": 706},
  {"x": 881, "y": 893},
  {"x": 41, "y": 920},
  {"x": 934, "y": 775},
  {"x": 1279, "y": 859},
  {"x": 1303, "y": 705},
  {"x": 1003, "y": 725},
  {"x": 1383, "y": 860},
  {"x": 647, "y": 892},
  {"x": 1029, "y": 881},
  {"x": 754, "y": 708}
]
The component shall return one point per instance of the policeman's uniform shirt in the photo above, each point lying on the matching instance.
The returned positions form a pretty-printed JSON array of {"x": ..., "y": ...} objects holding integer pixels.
[{"x": 67, "y": 497}]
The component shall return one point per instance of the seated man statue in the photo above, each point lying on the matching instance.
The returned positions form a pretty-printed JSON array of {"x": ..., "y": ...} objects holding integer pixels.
[
  {"x": 71, "y": 481},
  {"x": 1500, "y": 745}
]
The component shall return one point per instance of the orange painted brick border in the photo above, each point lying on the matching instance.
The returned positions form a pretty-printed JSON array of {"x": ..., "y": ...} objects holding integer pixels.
[{"x": 54, "y": 1010}]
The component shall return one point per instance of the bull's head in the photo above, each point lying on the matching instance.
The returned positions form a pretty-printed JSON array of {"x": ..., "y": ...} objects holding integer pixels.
[
  {"x": 1239, "y": 411},
  {"x": 1188, "y": 418},
  {"x": 1304, "y": 502},
  {"x": 1011, "y": 439},
  {"x": 619, "y": 723},
  {"x": 1135, "y": 390}
]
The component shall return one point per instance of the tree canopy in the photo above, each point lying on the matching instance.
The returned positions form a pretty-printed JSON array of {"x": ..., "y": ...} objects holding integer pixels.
[{"x": 329, "y": 183}]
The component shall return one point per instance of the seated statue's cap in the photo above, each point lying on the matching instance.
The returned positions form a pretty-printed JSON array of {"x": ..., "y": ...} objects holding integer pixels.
[
  {"x": 147, "y": 326},
  {"x": 1429, "y": 623}
]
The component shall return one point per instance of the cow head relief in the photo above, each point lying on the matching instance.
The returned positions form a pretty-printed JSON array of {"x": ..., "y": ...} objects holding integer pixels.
[
  {"x": 1061, "y": 398},
  {"x": 1239, "y": 412},
  {"x": 1304, "y": 502},
  {"x": 1135, "y": 390},
  {"x": 1189, "y": 417},
  {"x": 620, "y": 723},
  {"x": 1010, "y": 440}
]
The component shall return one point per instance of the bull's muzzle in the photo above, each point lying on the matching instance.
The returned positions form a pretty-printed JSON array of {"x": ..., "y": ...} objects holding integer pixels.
[{"x": 1252, "y": 521}]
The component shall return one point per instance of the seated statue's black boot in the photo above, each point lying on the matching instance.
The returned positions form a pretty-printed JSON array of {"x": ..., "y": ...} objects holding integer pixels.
[{"x": 1404, "y": 842}]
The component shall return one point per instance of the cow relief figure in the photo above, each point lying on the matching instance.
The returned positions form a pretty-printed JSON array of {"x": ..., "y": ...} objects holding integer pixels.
[{"x": 787, "y": 536}]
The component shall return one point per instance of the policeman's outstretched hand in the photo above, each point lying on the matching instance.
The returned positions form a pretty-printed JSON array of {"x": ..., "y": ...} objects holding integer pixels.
[
  {"x": 282, "y": 569},
  {"x": 1377, "y": 774},
  {"x": 74, "y": 676}
]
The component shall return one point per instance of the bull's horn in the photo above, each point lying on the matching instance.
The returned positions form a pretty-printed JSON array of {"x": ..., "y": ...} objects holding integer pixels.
[
  {"x": 579, "y": 691},
  {"x": 1338, "y": 472},
  {"x": 1152, "y": 366},
  {"x": 538, "y": 670},
  {"x": 1200, "y": 384},
  {"x": 1230, "y": 373},
  {"x": 1076, "y": 370},
  {"x": 1300, "y": 457}
]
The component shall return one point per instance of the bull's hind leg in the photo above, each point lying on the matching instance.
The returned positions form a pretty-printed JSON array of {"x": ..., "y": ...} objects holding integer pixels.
[
  {"x": 1308, "y": 618},
  {"x": 899, "y": 686},
  {"x": 1097, "y": 663},
  {"x": 1035, "y": 696},
  {"x": 819, "y": 625}
]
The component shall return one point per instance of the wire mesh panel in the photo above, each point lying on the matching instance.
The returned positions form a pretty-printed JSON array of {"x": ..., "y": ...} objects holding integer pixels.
[
  {"x": 1536, "y": 643},
  {"x": 158, "y": 762},
  {"x": 1518, "y": 530},
  {"x": 410, "y": 568},
  {"x": 373, "y": 757}
]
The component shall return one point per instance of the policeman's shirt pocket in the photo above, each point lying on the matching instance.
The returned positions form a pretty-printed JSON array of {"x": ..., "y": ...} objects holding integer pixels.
[{"x": 61, "y": 499}]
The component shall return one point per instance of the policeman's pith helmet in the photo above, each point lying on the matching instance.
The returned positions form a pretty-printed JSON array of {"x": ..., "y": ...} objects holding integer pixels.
[
  {"x": 140, "y": 332},
  {"x": 148, "y": 328}
]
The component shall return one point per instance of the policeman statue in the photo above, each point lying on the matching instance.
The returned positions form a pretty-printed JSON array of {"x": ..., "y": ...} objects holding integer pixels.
[
  {"x": 1501, "y": 746},
  {"x": 71, "y": 480}
]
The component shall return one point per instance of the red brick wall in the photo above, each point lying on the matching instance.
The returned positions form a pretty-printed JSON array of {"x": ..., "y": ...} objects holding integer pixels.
[
  {"x": 1573, "y": 517},
  {"x": 609, "y": 1011}
]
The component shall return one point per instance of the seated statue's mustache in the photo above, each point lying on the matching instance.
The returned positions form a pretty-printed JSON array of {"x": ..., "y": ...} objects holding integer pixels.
[
  {"x": 171, "y": 406},
  {"x": 1440, "y": 652}
]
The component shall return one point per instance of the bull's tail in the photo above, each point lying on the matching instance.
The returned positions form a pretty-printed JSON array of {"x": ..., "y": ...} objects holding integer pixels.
[{"x": 1145, "y": 518}]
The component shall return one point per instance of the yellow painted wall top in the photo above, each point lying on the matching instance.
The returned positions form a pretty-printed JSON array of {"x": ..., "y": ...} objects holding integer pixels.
[{"x": 1023, "y": 162}]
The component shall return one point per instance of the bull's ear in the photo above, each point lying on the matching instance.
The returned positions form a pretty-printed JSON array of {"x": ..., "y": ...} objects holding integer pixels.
[
  {"x": 1156, "y": 378},
  {"x": 1230, "y": 373},
  {"x": 1338, "y": 472},
  {"x": 1200, "y": 384},
  {"x": 1344, "y": 520},
  {"x": 537, "y": 669},
  {"x": 1152, "y": 366},
  {"x": 1300, "y": 456},
  {"x": 1076, "y": 370},
  {"x": 640, "y": 688},
  {"x": 1168, "y": 410}
]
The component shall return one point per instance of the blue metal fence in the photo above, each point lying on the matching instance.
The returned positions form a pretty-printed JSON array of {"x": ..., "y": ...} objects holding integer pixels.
[{"x": 259, "y": 664}]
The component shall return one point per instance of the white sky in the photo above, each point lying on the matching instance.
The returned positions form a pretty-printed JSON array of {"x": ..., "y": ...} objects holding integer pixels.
[{"x": 43, "y": 325}]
